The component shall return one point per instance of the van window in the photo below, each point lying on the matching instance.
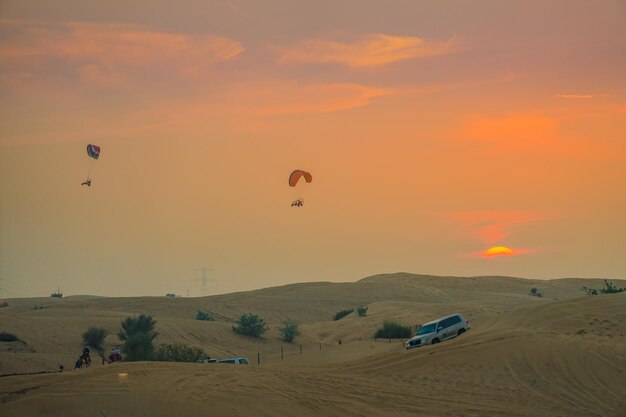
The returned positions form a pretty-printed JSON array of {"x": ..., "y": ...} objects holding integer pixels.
[
  {"x": 444, "y": 324},
  {"x": 429, "y": 328},
  {"x": 244, "y": 361},
  {"x": 454, "y": 320}
]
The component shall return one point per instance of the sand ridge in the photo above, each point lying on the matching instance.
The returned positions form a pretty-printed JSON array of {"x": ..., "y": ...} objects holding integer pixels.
[{"x": 562, "y": 355}]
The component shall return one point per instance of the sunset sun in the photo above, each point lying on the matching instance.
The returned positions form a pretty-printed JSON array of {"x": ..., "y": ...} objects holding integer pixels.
[{"x": 498, "y": 251}]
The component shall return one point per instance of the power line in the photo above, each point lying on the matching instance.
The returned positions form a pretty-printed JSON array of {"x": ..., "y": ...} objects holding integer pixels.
[{"x": 204, "y": 280}]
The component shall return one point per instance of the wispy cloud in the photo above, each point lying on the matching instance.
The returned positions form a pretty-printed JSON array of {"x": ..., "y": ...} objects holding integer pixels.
[
  {"x": 492, "y": 230},
  {"x": 281, "y": 98},
  {"x": 371, "y": 50},
  {"x": 515, "y": 131},
  {"x": 563, "y": 132},
  {"x": 260, "y": 104},
  {"x": 574, "y": 96},
  {"x": 109, "y": 53},
  {"x": 490, "y": 227}
]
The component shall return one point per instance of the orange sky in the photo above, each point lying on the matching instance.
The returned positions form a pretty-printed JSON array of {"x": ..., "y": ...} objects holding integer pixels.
[{"x": 434, "y": 131}]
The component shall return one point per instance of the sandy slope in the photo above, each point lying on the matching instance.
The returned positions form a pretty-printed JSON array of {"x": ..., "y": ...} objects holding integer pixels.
[{"x": 562, "y": 355}]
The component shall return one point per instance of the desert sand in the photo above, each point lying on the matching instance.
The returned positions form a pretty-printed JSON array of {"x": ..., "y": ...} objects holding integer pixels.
[{"x": 563, "y": 354}]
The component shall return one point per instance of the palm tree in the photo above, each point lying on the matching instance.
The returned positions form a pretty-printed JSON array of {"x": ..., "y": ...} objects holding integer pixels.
[{"x": 137, "y": 333}]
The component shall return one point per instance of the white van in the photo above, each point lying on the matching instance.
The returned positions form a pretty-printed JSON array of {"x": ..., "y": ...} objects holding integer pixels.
[
  {"x": 240, "y": 361},
  {"x": 439, "y": 330}
]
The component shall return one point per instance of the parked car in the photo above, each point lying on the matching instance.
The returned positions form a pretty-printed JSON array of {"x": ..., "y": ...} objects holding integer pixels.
[
  {"x": 439, "y": 330},
  {"x": 240, "y": 361}
]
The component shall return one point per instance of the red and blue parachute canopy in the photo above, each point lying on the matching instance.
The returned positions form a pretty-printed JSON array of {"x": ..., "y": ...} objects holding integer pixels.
[{"x": 93, "y": 151}]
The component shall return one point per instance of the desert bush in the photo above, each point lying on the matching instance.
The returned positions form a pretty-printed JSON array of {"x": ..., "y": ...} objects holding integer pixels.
[
  {"x": 341, "y": 314},
  {"x": 40, "y": 307},
  {"x": 289, "y": 331},
  {"x": 589, "y": 291},
  {"x": 94, "y": 338},
  {"x": 56, "y": 295},
  {"x": 361, "y": 311},
  {"x": 204, "y": 315},
  {"x": 535, "y": 292},
  {"x": 7, "y": 337},
  {"x": 393, "y": 330},
  {"x": 250, "y": 325},
  {"x": 609, "y": 288},
  {"x": 179, "y": 352},
  {"x": 138, "y": 333}
]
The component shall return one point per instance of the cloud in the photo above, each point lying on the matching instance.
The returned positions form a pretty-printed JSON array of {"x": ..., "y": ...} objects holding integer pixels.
[
  {"x": 245, "y": 107},
  {"x": 371, "y": 50},
  {"x": 120, "y": 79},
  {"x": 259, "y": 104},
  {"x": 582, "y": 130},
  {"x": 574, "y": 96},
  {"x": 93, "y": 74},
  {"x": 108, "y": 53},
  {"x": 492, "y": 227},
  {"x": 283, "y": 98},
  {"x": 519, "y": 130}
]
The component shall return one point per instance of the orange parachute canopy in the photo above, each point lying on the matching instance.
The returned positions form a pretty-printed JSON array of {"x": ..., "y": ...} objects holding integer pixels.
[{"x": 296, "y": 175}]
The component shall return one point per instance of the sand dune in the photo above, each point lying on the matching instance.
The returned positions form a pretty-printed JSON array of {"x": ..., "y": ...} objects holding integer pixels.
[{"x": 561, "y": 355}]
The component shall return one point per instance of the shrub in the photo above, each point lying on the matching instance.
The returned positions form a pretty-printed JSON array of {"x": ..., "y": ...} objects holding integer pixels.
[
  {"x": 179, "y": 352},
  {"x": 56, "y": 295},
  {"x": 609, "y": 288},
  {"x": 535, "y": 292},
  {"x": 361, "y": 311},
  {"x": 250, "y": 325},
  {"x": 138, "y": 333},
  {"x": 203, "y": 315},
  {"x": 341, "y": 314},
  {"x": 139, "y": 347},
  {"x": 94, "y": 338},
  {"x": 590, "y": 291},
  {"x": 289, "y": 331},
  {"x": 40, "y": 307},
  {"x": 393, "y": 330},
  {"x": 7, "y": 337}
]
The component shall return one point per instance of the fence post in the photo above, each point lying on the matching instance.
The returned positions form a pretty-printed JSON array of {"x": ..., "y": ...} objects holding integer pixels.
[
  {"x": 320, "y": 345},
  {"x": 301, "y": 349},
  {"x": 258, "y": 358},
  {"x": 281, "y": 352}
]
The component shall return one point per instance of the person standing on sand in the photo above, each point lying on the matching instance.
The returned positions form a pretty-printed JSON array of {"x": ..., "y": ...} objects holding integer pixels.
[{"x": 79, "y": 364}]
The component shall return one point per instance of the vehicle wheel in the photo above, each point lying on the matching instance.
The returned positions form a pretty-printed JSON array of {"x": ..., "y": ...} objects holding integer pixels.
[
  {"x": 435, "y": 341},
  {"x": 461, "y": 331}
]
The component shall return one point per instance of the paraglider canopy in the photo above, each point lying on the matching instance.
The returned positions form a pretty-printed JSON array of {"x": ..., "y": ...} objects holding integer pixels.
[
  {"x": 93, "y": 151},
  {"x": 296, "y": 175}
]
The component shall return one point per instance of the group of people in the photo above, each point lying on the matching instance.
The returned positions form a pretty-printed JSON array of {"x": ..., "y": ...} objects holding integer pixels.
[
  {"x": 116, "y": 355},
  {"x": 84, "y": 360}
]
